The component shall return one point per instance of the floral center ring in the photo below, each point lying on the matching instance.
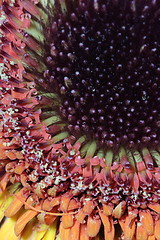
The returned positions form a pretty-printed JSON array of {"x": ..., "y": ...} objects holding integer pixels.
[{"x": 80, "y": 119}]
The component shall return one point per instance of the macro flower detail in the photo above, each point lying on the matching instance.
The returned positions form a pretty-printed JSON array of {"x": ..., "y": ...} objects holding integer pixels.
[{"x": 79, "y": 120}]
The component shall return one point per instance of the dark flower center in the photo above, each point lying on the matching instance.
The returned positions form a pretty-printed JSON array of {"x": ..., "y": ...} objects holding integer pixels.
[{"x": 103, "y": 60}]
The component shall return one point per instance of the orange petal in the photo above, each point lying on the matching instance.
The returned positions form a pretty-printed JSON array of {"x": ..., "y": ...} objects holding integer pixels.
[
  {"x": 16, "y": 204},
  {"x": 19, "y": 169},
  {"x": 147, "y": 221},
  {"x": 110, "y": 235},
  {"x": 55, "y": 201},
  {"x": 10, "y": 154},
  {"x": 152, "y": 238},
  {"x": 23, "y": 220},
  {"x": 2, "y": 154},
  {"x": 141, "y": 232},
  {"x": 83, "y": 232},
  {"x": 49, "y": 219},
  {"x": 73, "y": 204},
  {"x": 122, "y": 223},
  {"x": 46, "y": 206},
  {"x": 93, "y": 226},
  {"x": 64, "y": 232},
  {"x": 67, "y": 221},
  {"x": 80, "y": 216},
  {"x": 4, "y": 181},
  {"x": 88, "y": 207},
  {"x": 75, "y": 230},
  {"x": 107, "y": 209},
  {"x": 157, "y": 230},
  {"x": 64, "y": 203},
  {"x": 19, "y": 155},
  {"x": 129, "y": 228},
  {"x": 105, "y": 221},
  {"x": 155, "y": 207}
]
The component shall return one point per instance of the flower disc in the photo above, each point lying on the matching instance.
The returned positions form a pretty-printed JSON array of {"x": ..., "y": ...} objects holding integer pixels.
[{"x": 102, "y": 60}]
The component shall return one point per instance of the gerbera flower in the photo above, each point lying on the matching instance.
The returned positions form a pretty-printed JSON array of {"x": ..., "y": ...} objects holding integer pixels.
[{"x": 80, "y": 122}]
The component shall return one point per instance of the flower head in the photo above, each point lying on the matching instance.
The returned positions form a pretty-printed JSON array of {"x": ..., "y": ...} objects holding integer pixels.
[{"x": 79, "y": 119}]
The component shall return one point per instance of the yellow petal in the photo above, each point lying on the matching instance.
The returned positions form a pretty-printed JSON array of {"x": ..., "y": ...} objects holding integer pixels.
[
  {"x": 34, "y": 231},
  {"x": 5, "y": 201},
  {"x": 7, "y": 229},
  {"x": 39, "y": 232},
  {"x": 51, "y": 232},
  {"x": 58, "y": 237}
]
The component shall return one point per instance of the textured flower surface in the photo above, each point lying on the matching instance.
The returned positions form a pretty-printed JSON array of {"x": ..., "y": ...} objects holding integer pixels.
[{"x": 80, "y": 119}]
